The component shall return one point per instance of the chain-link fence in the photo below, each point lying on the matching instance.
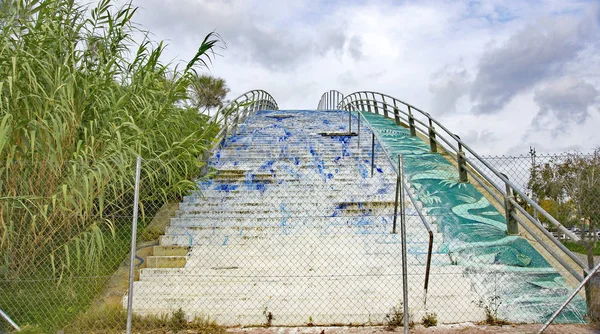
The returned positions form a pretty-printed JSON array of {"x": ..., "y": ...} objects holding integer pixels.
[
  {"x": 293, "y": 225},
  {"x": 566, "y": 185},
  {"x": 65, "y": 235}
]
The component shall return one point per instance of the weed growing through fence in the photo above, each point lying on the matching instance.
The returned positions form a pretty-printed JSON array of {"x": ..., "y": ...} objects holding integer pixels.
[
  {"x": 491, "y": 305},
  {"x": 429, "y": 320},
  {"x": 396, "y": 318}
]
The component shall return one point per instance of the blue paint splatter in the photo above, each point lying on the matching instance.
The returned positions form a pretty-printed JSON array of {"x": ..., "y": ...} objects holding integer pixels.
[
  {"x": 261, "y": 187},
  {"x": 321, "y": 166},
  {"x": 342, "y": 206},
  {"x": 330, "y": 176},
  {"x": 267, "y": 165},
  {"x": 384, "y": 190},
  {"x": 296, "y": 161},
  {"x": 379, "y": 169},
  {"x": 363, "y": 171},
  {"x": 226, "y": 187}
]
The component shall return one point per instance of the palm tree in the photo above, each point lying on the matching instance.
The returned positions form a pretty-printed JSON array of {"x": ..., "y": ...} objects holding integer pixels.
[{"x": 207, "y": 92}]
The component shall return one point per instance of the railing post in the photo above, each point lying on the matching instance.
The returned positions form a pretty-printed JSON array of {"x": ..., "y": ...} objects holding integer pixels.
[
  {"x": 397, "y": 115},
  {"x": 432, "y": 142},
  {"x": 462, "y": 163},
  {"x": 509, "y": 210},
  {"x": 372, "y": 152},
  {"x": 375, "y": 104},
  {"x": 385, "y": 111},
  {"x": 136, "y": 199},
  {"x": 411, "y": 123},
  {"x": 369, "y": 106}
]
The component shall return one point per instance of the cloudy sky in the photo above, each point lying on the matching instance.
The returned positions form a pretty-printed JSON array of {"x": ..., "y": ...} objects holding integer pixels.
[{"x": 504, "y": 75}]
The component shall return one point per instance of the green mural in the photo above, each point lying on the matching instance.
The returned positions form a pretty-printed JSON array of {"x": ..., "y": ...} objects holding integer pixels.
[{"x": 475, "y": 236}]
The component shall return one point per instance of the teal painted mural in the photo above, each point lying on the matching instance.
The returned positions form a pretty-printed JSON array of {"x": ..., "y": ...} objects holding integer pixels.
[{"x": 505, "y": 270}]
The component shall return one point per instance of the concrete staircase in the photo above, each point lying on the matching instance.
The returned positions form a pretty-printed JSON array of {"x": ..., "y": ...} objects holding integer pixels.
[{"x": 292, "y": 229}]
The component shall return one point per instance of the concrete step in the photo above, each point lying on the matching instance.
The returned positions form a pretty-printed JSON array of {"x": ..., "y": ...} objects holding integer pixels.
[
  {"x": 292, "y": 300},
  {"x": 297, "y": 244},
  {"x": 202, "y": 207},
  {"x": 418, "y": 239},
  {"x": 277, "y": 194},
  {"x": 225, "y": 272},
  {"x": 309, "y": 221}
]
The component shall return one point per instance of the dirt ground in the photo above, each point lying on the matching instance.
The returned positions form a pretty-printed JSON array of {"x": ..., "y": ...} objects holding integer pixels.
[{"x": 467, "y": 328}]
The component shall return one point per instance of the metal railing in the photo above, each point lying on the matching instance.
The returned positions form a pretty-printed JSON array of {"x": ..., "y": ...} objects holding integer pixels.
[
  {"x": 330, "y": 100},
  {"x": 239, "y": 109},
  {"x": 420, "y": 122}
]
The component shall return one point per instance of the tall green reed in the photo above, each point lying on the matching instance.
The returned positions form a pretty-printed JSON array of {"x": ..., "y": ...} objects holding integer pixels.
[{"x": 76, "y": 109}]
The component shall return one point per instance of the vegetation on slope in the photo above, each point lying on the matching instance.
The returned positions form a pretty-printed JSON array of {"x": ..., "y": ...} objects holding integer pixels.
[{"x": 76, "y": 109}]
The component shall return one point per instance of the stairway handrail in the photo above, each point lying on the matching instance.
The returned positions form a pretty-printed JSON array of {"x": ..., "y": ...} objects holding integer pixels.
[
  {"x": 355, "y": 101},
  {"x": 239, "y": 109},
  {"x": 328, "y": 99}
]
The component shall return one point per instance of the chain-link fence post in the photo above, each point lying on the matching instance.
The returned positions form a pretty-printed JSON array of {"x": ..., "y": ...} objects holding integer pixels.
[
  {"x": 136, "y": 198},
  {"x": 358, "y": 131},
  {"x": 10, "y": 321},
  {"x": 403, "y": 237},
  {"x": 573, "y": 294},
  {"x": 372, "y": 152}
]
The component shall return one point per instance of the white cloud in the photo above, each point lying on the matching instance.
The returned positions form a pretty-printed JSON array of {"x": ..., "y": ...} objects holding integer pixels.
[{"x": 451, "y": 59}]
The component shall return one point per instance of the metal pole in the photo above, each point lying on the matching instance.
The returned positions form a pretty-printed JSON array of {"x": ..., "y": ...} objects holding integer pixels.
[
  {"x": 136, "y": 199},
  {"x": 358, "y": 135},
  {"x": 349, "y": 120},
  {"x": 403, "y": 237},
  {"x": 398, "y": 186},
  {"x": 9, "y": 320},
  {"x": 372, "y": 152},
  {"x": 573, "y": 294}
]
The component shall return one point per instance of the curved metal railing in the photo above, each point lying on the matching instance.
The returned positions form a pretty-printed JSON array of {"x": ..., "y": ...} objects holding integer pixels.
[
  {"x": 422, "y": 123},
  {"x": 330, "y": 100},
  {"x": 239, "y": 109}
]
